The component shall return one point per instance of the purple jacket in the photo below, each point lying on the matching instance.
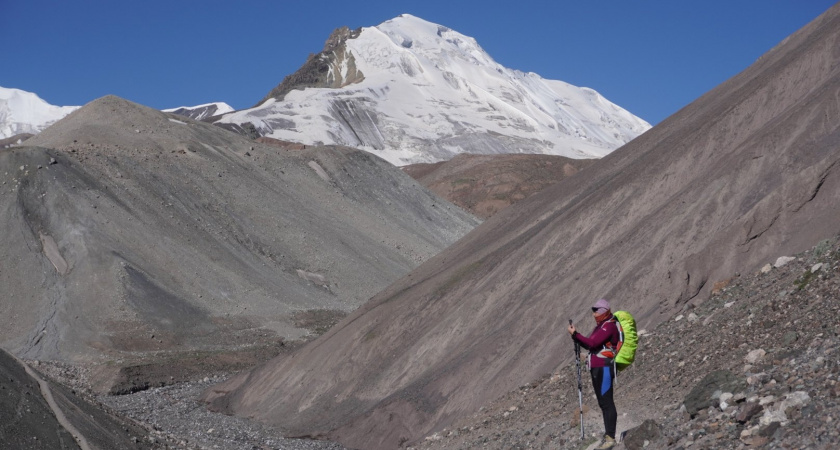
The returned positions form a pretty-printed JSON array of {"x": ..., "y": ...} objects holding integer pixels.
[{"x": 604, "y": 332}]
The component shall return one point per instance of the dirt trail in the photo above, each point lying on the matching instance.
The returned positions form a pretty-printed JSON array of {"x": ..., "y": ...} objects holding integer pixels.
[{"x": 46, "y": 392}]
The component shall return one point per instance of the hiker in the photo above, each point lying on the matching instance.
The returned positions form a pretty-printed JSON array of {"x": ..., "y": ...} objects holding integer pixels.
[{"x": 601, "y": 344}]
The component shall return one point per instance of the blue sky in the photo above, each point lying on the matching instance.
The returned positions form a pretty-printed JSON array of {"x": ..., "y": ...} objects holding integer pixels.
[{"x": 650, "y": 57}]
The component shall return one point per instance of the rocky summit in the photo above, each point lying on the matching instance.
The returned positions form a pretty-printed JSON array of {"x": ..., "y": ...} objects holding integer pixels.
[{"x": 746, "y": 173}]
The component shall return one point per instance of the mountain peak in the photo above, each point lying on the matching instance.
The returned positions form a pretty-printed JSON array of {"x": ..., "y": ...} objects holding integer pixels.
[{"x": 409, "y": 91}]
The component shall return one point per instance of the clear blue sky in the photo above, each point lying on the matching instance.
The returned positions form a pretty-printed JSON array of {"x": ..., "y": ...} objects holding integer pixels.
[{"x": 650, "y": 57}]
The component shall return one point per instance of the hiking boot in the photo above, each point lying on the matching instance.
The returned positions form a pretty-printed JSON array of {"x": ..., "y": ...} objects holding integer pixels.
[{"x": 607, "y": 444}]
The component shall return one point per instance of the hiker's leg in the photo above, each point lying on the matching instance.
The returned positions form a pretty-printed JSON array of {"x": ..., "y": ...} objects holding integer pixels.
[
  {"x": 610, "y": 413},
  {"x": 602, "y": 382}
]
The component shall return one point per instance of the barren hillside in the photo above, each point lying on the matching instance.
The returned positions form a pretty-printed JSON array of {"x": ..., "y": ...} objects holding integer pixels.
[
  {"x": 486, "y": 184},
  {"x": 745, "y": 173},
  {"x": 136, "y": 232},
  {"x": 766, "y": 338}
]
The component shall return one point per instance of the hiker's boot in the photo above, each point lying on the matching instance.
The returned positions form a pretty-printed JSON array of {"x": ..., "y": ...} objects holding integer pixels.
[{"x": 607, "y": 444}]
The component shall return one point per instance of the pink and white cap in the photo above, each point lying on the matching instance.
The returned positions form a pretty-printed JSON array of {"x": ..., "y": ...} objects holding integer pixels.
[{"x": 601, "y": 306}]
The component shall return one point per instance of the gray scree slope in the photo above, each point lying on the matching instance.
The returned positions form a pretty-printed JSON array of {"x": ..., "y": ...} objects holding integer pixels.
[
  {"x": 746, "y": 173},
  {"x": 132, "y": 230}
]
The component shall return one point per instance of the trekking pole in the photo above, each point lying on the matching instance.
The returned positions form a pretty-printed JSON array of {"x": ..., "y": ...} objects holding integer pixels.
[{"x": 580, "y": 385}]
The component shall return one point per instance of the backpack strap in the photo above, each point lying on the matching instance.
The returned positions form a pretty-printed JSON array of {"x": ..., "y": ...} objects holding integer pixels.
[{"x": 608, "y": 352}]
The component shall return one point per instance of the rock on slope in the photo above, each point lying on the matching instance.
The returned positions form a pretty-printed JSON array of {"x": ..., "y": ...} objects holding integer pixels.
[
  {"x": 486, "y": 184},
  {"x": 747, "y": 172},
  {"x": 132, "y": 230}
]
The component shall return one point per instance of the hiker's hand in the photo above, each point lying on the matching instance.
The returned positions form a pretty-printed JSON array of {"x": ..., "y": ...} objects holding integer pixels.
[{"x": 571, "y": 330}]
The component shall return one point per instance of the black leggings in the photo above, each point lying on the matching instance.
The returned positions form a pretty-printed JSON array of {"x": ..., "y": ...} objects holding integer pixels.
[{"x": 603, "y": 379}]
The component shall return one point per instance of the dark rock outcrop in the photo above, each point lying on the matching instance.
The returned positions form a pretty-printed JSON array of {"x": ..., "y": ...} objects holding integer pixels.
[
  {"x": 703, "y": 394},
  {"x": 322, "y": 69},
  {"x": 642, "y": 436}
]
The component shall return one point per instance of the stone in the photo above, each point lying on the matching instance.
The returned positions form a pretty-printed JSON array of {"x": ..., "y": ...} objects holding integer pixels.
[
  {"x": 747, "y": 411},
  {"x": 767, "y": 268},
  {"x": 701, "y": 396},
  {"x": 757, "y": 441},
  {"x": 773, "y": 415},
  {"x": 642, "y": 436},
  {"x": 795, "y": 400},
  {"x": 724, "y": 400},
  {"x": 783, "y": 260},
  {"x": 816, "y": 267},
  {"x": 789, "y": 338},
  {"x": 755, "y": 355},
  {"x": 692, "y": 317},
  {"x": 769, "y": 429},
  {"x": 758, "y": 378},
  {"x": 766, "y": 400}
]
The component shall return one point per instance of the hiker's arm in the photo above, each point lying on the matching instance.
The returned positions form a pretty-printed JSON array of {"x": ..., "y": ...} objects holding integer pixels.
[{"x": 598, "y": 338}]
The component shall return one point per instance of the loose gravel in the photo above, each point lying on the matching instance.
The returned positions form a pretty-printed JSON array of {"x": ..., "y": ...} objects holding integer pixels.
[{"x": 175, "y": 412}]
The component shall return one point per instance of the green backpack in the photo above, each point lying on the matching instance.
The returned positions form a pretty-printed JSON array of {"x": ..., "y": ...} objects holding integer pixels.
[{"x": 628, "y": 340}]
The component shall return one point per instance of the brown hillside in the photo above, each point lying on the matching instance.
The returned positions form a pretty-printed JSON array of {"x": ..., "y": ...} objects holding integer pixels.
[
  {"x": 745, "y": 173},
  {"x": 486, "y": 184}
]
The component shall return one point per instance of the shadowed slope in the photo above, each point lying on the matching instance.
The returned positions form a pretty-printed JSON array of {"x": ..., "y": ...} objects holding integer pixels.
[
  {"x": 135, "y": 230},
  {"x": 40, "y": 414},
  {"x": 745, "y": 173}
]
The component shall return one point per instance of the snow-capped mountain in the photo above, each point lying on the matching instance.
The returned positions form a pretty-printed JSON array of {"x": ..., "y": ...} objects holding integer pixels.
[
  {"x": 24, "y": 112},
  {"x": 413, "y": 91},
  {"x": 201, "y": 112}
]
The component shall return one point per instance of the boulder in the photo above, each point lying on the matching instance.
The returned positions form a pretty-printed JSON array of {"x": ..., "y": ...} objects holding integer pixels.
[
  {"x": 635, "y": 438},
  {"x": 702, "y": 395}
]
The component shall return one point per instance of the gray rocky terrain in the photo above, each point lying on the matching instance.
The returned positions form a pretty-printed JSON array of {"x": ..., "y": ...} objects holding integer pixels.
[
  {"x": 136, "y": 237},
  {"x": 747, "y": 172}
]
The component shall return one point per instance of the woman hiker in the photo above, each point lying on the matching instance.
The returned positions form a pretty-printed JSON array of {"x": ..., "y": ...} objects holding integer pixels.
[{"x": 601, "y": 344}]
